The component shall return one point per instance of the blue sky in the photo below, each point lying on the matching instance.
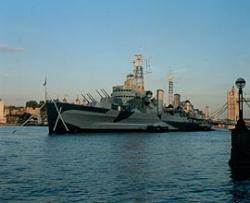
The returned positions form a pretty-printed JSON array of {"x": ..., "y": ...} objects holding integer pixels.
[{"x": 84, "y": 45}]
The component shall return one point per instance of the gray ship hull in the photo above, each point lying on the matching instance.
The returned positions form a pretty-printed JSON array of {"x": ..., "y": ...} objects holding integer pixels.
[
  {"x": 71, "y": 118},
  {"x": 79, "y": 118}
]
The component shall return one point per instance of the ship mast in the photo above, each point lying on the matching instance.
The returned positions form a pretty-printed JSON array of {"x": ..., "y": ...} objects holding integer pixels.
[{"x": 138, "y": 73}]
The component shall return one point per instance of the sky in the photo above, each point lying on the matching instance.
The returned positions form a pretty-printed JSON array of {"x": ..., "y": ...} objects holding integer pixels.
[{"x": 85, "y": 45}]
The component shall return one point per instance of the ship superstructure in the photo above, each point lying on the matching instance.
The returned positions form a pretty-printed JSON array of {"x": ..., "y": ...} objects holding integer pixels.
[
  {"x": 133, "y": 86},
  {"x": 129, "y": 108}
]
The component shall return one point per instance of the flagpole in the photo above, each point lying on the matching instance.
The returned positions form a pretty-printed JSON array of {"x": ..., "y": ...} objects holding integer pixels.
[{"x": 46, "y": 94}]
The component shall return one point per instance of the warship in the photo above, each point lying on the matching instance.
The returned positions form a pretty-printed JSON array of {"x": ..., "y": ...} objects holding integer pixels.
[{"x": 129, "y": 108}]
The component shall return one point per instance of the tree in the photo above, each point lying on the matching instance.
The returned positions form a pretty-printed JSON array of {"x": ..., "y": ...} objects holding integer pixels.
[
  {"x": 41, "y": 103},
  {"x": 32, "y": 103}
]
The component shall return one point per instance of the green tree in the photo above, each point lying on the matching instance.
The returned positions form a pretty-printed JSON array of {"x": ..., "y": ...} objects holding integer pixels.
[{"x": 32, "y": 103}]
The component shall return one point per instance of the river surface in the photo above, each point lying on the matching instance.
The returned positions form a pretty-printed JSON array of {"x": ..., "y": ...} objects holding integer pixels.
[{"x": 113, "y": 167}]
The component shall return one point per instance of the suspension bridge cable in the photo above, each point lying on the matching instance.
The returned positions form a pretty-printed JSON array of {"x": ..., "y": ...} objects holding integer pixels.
[
  {"x": 246, "y": 102},
  {"x": 219, "y": 111}
]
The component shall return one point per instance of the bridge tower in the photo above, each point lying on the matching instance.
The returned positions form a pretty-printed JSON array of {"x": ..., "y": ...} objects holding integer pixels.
[{"x": 232, "y": 105}]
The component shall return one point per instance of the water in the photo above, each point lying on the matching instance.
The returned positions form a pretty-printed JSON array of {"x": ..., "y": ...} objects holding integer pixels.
[{"x": 166, "y": 167}]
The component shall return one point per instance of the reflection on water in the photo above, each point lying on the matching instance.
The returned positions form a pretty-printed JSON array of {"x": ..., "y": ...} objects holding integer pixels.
[
  {"x": 239, "y": 174},
  {"x": 165, "y": 167},
  {"x": 241, "y": 184},
  {"x": 241, "y": 191}
]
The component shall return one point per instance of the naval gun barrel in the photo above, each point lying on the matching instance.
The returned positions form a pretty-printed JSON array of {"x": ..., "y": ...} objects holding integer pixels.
[
  {"x": 85, "y": 98},
  {"x": 91, "y": 97},
  {"x": 105, "y": 93},
  {"x": 99, "y": 94}
]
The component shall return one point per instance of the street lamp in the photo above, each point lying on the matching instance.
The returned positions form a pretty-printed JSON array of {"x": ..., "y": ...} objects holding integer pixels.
[{"x": 240, "y": 83}]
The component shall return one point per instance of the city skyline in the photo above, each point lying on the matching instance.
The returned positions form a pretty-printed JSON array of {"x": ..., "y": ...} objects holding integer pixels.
[{"x": 82, "y": 46}]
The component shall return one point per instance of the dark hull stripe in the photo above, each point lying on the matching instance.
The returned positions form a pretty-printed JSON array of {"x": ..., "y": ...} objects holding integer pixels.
[
  {"x": 188, "y": 126},
  {"x": 72, "y": 130},
  {"x": 122, "y": 115}
]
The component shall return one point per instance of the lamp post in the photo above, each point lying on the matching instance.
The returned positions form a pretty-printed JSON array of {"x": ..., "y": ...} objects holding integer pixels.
[
  {"x": 240, "y": 83},
  {"x": 240, "y": 141}
]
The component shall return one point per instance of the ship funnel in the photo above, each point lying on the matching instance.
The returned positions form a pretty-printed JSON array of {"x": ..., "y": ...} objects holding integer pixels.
[{"x": 160, "y": 98}]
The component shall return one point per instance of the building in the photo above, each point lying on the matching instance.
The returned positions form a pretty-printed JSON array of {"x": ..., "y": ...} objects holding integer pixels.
[
  {"x": 13, "y": 114},
  {"x": 177, "y": 100},
  {"x": 170, "y": 90},
  {"x": 33, "y": 111},
  {"x": 206, "y": 112},
  {"x": 2, "y": 112},
  {"x": 232, "y": 105}
]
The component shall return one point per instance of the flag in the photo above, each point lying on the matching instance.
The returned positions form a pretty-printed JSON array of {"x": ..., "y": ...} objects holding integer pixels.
[{"x": 45, "y": 82}]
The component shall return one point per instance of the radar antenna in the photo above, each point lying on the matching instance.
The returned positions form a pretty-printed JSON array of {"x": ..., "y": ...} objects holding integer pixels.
[{"x": 148, "y": 66}]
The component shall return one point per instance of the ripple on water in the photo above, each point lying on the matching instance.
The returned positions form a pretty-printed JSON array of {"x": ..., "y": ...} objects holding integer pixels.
[{"x": 166, "y": 167}]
